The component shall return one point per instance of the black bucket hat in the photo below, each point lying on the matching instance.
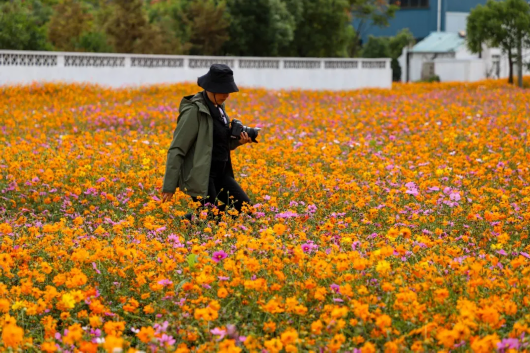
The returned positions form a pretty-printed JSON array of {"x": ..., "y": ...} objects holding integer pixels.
[{"x": 220, "y": 79}]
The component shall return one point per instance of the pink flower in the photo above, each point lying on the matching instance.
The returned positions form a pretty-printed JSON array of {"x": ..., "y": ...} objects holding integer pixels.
[
  {"x": 412, "y": 192},
  {"x": 219, "y": 332},
  {"x": 219, "y": 255},
  {"x": 165, "y": 282},
  {"x": 455, "y": 196}
]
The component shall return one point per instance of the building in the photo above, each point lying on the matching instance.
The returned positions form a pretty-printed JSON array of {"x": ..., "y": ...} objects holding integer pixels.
[
  {"x": 445, "y": 55},
  {"x": 417, "y": 63},
  {"x": 422, "y": 17}
]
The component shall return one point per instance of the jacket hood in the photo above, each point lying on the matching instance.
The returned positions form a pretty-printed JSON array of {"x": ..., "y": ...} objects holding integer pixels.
[
  {"x": 187, "y": 102},
  {"x": 196, "y": 99}
]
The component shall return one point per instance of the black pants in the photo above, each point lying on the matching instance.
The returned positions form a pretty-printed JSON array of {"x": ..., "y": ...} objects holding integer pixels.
[{"x": 222, "y": 187}]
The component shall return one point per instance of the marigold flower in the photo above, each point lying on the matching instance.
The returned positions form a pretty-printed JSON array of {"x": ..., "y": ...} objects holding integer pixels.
[
  {"x": 274, "y": 345},
  {"x": 146, "y": 334},
  {"x": 12, "y": 335},
  {"x": 112, "y": 343}
]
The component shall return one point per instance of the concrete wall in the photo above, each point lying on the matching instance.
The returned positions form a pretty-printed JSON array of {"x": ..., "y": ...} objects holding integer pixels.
[
  {"x": 456, "y": 21},
  {"x": 118, "y": 70},
  {"x": 416, "y": 61},
  {"x": 476, "y": 69},
  {"x": 468, "y": 70}
]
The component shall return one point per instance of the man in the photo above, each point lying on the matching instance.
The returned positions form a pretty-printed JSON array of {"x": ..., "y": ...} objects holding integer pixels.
[{"x": 198, "y": 160}]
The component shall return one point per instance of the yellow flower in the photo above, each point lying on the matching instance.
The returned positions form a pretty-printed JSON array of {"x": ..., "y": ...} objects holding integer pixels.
[
  {"x": 68, "y": 300},
  {"x": 17, "y": 305},
  {"x": 383, "y": 267}
]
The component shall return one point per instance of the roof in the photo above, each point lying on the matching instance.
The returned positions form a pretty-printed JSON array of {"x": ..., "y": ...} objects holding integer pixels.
[{"x": 439, "y": 42}]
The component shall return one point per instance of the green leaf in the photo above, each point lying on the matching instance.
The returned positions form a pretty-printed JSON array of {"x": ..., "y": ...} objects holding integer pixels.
[{"x": 192, "y": 260}]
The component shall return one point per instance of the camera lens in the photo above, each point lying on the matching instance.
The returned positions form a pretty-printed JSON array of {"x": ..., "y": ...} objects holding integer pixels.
[{"x": 252, "y": 132}]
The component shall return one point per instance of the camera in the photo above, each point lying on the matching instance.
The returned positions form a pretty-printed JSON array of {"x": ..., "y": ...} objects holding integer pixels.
[{"x": 237, "y": 128}]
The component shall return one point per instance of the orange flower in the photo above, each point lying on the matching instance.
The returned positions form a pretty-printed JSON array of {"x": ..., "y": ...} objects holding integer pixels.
[
  {"x": 383, "y": 321},
  {"x": 113, "y": 343},
  {"x": 146, "y": 334},
  {"x": 4, "y": 305},
  {"x": 49, "y": 347},
  {"x": 222, "y": 293},
  {"x": 274, "y": 345},
  {"x": 12, "y": 335}
]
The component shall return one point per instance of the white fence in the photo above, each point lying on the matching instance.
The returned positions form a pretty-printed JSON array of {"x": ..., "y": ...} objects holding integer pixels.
[{"x": 118, "y": 70}]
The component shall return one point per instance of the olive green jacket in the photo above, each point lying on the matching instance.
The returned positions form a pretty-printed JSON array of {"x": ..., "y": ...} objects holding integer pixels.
[{"x": 190, "y": 155}]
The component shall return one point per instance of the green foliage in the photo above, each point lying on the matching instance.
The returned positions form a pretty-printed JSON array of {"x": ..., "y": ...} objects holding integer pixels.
[
  {"x": 389, "y": 47},
  {"x": 127, "y": 26},
  {"x": 503, "y": 24},
  {"x": 93, "y": 42},
  {"x": 305, "y": 28},
  {"x": 368, "y": 13},
  {"x": 402, "y": 39},
  {"x": 325, "y": 30},
  {"x": 20, "y": 29},
  {"x": 376, "y": 47},
  {"x": 208, "y": 23},
  {"x": 69, "y": 22},
  {"x": 259, "y": 27}
]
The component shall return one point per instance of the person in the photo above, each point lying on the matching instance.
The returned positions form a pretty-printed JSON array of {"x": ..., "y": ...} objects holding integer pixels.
[{"x": 198, "y": 159}]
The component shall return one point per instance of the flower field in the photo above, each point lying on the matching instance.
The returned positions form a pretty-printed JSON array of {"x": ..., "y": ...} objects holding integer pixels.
[{"x": 383, "y": 221}]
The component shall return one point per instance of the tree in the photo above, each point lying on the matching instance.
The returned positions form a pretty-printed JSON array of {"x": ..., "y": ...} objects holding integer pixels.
[
  {"x": 127, "y": 25},
  {"x": 209, "y": 25},
  {"x": 171, "y": 17},
  {"x": 19, "y": 29},
  {"x": 323, "y": 30},
  {"x": 367, "y": 13},
  {"x": 503, "y": 24},
  {"x": 389, "y": 47},
  {"x": 155, "y": 40},
  {"x": 259, "y": 27},
  {"x": 69, "y": 21},
  {"x": 93, "y": 42}
]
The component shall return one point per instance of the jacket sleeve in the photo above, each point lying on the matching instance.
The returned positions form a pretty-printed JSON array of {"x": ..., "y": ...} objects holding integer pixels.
[
  {"x": 184, "y": 136},
  {"x": 234, "y": 143}
]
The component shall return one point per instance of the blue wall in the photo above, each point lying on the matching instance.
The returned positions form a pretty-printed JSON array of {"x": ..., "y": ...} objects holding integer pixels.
[{"x": 421, "y": 22}]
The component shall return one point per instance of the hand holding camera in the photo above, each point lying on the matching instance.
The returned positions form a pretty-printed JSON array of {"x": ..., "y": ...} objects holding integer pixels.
[
  {"x": 241, "y": 132},
  {"x": 244, "y": 139}
]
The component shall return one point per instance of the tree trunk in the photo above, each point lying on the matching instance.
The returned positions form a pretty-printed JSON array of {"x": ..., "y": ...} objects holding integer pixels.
[
  {"x": 519, "y": 61},
  {"x": 355, "y": 47},
  {"x": 510, "y": 67}
]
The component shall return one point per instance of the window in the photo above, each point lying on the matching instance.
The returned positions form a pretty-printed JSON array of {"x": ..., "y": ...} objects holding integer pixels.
[{"x": 411, "y": 4}]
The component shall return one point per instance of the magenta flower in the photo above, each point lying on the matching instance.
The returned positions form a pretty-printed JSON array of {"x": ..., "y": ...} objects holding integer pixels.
[
  {"x": 165, "y": 282},
  {"x": 219, "y": 255},
  {"x": 508, "y": 343},
  {"x": 218, "y": 332},
  {"x": 168, "y": 340},
  {"x": 455, "y": 196}
]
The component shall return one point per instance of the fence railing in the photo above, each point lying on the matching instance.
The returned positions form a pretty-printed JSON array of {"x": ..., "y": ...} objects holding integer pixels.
[{"x": 250, "y": 69}]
